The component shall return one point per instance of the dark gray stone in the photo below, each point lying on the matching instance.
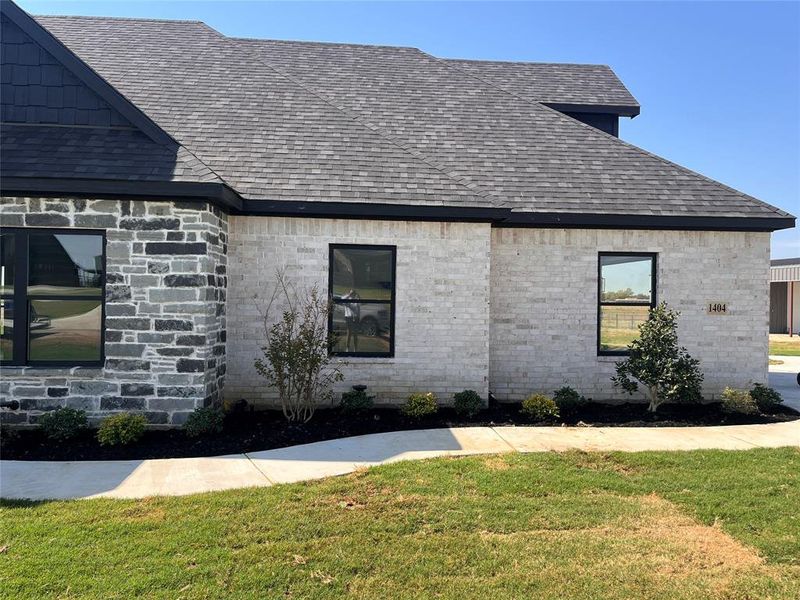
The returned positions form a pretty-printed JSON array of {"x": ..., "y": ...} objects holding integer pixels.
[
  {"x": 184, "y": 280},
  {"x": 11, "y": 417},
  {"x": 91, "y": 387},
  {"x": 113, "y": 336},
  {"x": 171, "y": 403},
  {"x": 57, "y": 392},
  {"x": 47, "y": 220},
  {"x": 173, "y": 325},
  {"x": 190, "y": 340},
  {"x": 128, "y": 324},
  {"x": 175, "y": 391},
  {"x": 175, "y": 248},
  {"x": 175, "y": 236},
  {"x": 157, "y": 267},
  {"x": 150, "y": 224},
  {"x": 171, "y": 351},
  {"x": 117, "y": 293},
  {"x": 120, "y": 310},
  {"x": 117, "y": 403},
  {"x": 99, "y": 221},
  {"x": 137, "y": 389},
  {"x": 125, "y": 350},
  {"x": 156, "y": 418},
  {"x": 189, "y": 365},
  {"x": 119, "y": 364}
]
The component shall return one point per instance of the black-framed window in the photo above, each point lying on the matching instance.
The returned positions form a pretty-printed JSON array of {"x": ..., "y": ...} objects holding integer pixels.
[
  {"x": 361, "y": 285},
  {"x": 626, "y": 291},
  {"x": 52, "y": 291}
]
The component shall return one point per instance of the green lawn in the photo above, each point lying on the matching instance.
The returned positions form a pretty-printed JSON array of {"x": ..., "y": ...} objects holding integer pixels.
[
  {"x": 708, "y": 524},
  {"x": 785, "y": 348}
]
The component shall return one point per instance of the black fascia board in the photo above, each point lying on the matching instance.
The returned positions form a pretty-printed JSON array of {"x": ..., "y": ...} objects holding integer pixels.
[
  {"x": 619, "y": 110},
  {"x": 631, "y": 221},
  {"x": 85, "y": 73},
  {"x": 219, "y": 194}
]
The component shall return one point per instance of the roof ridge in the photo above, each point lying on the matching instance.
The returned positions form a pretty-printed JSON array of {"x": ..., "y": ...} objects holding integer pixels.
[
  {"x": 317, "y": 43},
  {"x": 524, "y": 62},
  {"x": 104, "y": 18},
  {"x": 473, "y": 188},
  {"x": 594, "y": 131}
]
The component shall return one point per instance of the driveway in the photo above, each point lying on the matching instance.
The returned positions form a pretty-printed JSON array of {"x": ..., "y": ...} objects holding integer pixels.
[{"x": 784, "y": 379}]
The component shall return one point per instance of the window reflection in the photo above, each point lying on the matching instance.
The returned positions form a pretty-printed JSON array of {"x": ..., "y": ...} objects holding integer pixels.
[
  {"x": 64, "y": 330},
  {"x": 65, "y": 264},
  {"x": 366, "y": 272},
  {"x": 6, "y": 329},
  {"x": 619, "y": 325},
  {"x": 626, "y": 278},
  {"x": 362, "y": 327},
  {"x": 6, "y": 263}
]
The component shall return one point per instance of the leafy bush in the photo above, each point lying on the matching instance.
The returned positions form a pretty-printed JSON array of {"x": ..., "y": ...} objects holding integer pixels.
[
  {"x": 296, "y": 360},
  {"x": 467, "y": 403},
  {"x": 568, "y": 401},
  {"x": 656, "y": 361},
  {"x": 63, "y": 423},
  {"x": 420, "y": 405},
  {"x": 204, "y": 421},
  {"x": 738, "y": 401},
  {"x": 356, "y": 401},
  {"x": 539, "y": 408},
  {"x": 766, "y": 398},
  {"x": 120, "y": 429}
]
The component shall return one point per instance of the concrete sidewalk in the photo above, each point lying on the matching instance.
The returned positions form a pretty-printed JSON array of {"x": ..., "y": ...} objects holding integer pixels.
[{"x": 181, "y": 476}]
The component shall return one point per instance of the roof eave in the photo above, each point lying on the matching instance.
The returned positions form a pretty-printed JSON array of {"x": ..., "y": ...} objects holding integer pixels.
[{"x": 621, "y": 110}]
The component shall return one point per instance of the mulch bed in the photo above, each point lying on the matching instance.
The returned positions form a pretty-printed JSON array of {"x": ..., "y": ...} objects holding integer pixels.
[{"x": 253, "y": 431}]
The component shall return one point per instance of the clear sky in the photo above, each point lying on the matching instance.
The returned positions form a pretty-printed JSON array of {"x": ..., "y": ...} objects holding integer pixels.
[{"x": 719, "y": 82}]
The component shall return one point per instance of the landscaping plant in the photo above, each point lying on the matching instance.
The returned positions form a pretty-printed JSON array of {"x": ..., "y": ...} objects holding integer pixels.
[
  {"x": 206, "y": 420},
  {"x": 656, "y": 361},
  {"x": 467, "y": 403},
  {"x": 738, "y": 401},
  {"x": 296, "y": 361},
  {"x": 420, "y": 405},
  {"x": 766, "y": 398},
  {"x": 356, "y": 401},
  {"x": 63, "y": 423},
  {"x": 568, "y": 401},
  {"x": 540, "y": 408},
  {"x": 121, "y": 429}
]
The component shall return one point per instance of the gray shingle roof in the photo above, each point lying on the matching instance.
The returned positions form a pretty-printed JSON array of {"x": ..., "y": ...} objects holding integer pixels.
[
  {"x": 337, "y": 122},
  {"x": 555, "y": 83}
]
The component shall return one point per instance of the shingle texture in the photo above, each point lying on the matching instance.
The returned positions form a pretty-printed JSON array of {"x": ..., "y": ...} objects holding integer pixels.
[{"x": 338, "y": 122}]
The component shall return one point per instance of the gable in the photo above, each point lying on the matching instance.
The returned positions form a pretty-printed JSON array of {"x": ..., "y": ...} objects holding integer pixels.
[{"x": 38, "y": 89}]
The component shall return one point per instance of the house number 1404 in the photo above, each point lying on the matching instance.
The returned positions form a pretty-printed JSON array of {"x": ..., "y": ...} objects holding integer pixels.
[{"x": 717, "y": 308}]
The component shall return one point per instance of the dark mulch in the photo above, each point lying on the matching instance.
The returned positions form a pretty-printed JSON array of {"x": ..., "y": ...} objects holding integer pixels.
[{"x": 252, "y": 431}]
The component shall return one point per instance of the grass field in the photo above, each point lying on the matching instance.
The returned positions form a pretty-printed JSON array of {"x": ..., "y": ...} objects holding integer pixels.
[
  {"x": 620, "y": 325},
  {"x": 784, "y": 345},
  {"x": 708, "y": 524}
]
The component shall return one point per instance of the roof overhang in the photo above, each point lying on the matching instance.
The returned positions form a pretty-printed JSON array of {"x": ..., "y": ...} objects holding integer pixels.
[{"x": 619, "y": 110}]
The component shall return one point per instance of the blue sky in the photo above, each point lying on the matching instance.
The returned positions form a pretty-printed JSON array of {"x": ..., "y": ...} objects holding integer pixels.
[{"x": 719, "y": 82}]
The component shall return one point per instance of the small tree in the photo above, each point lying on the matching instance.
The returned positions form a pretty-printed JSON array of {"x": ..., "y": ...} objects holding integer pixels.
[
  {"x": 656, "y": 361},
  {"x": 296, "y": 359}
]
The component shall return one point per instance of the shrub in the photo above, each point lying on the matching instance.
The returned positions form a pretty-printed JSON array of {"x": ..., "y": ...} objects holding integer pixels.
[
  {"x": 568, "y": 401},
  {"x": 120, "y": 429},
  {"x": 296, "y": 360},
  {"x": 766, "y": 398},
  {"x": 356, "y": 401},
  {"x": 738, "y": 401},
  {"x": 656, "y": 361},
  {"x": 539, "y": 408},
  {"x": 420, "y": 405},
  {"x": 467, "y": 403},
  {"x": 204, "y": 421},
  {"x": 63, "y": 423}
]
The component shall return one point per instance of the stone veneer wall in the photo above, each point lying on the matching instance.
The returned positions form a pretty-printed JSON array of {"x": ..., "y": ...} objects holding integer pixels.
[
  {"x": 544, "y": 306},
  {"x": 442, "y": 320},
  {"x": 165, "y": 310}
]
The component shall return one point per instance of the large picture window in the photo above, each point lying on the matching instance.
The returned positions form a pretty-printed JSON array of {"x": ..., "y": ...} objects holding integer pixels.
[
  {"x": 361, "y": 287},
  {"x": 626, "y": 293},
  {"x": 52, "y": 285}
]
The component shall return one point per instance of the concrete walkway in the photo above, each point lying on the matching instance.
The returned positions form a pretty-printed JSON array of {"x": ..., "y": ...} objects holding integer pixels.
[
  {"x": 783, "y": 378},
  {"x": 181, "y": 476}
]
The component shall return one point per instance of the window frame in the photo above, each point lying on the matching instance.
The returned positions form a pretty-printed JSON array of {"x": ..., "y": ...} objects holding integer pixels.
[
  {"x": 601, "y": 303},
  {"x": 22, "y": 299},
  {"x": 392, "y": 302}
]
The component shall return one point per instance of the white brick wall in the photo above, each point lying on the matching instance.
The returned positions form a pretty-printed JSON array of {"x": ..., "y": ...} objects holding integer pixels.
[
  {"x": 442, "y": 303},
  {"x": 544, "y": 311}
]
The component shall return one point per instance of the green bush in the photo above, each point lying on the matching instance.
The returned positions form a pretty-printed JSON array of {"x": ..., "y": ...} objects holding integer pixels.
[
  {"x": 420, "y": 405},
  {"x": 207, "y": 420},
  {"x": 356, "y": 401},
  {"x": 120, "y": 429},
  {"x": 766, "y": 398},
  {"x": 655, "y": 361},
  {"x": 467, "y": 403},
  {"x": 568, "y": 401},
  {"x": 540, "y": 408},
  {"x": 738, "y": 401},
  {"x": 63, "y": 423}
]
